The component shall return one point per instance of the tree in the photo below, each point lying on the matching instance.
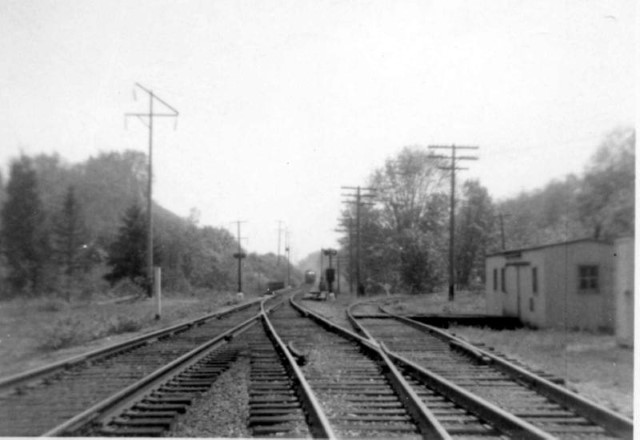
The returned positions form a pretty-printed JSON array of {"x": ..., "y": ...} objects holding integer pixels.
[
  {"x": 607, "y": 200},
  {"x": 69, "y": 237},
  {"x": 403, "y": 235},
  {"x": 23, "y": 238},
  {"x": 476, "y": 217},
  {"x": 127, "y": 254}
]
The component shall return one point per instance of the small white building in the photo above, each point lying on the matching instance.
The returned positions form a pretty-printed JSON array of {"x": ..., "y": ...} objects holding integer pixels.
[
  {"x": 568, "y": 284},
  {"x": 624, "y": 290}
]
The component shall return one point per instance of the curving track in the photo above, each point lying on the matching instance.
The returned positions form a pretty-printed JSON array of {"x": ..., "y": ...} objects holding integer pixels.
[{"x": 426, "y": 354}]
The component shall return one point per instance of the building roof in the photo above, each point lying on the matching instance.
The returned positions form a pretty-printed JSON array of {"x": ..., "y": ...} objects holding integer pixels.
[{"x": 561, "y": 243}]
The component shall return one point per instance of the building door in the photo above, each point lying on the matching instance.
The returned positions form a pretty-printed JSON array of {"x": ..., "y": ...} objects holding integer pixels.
[{"x": 518, "y": 302}]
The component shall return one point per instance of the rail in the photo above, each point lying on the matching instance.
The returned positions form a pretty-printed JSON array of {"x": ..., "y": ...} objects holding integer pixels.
[
  {"x": 319, "y": 424},
  {"x": 426, "y": 421},
  {"x": 19, "y": 379},
  {"x": 609, "y": 420}
]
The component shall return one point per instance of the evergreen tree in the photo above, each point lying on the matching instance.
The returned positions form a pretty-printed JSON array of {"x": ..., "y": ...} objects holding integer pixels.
[
  {"x": 69, "y": 236},
  {"x": 127, "y": 254},
  {"x": 23, "y": 237}
]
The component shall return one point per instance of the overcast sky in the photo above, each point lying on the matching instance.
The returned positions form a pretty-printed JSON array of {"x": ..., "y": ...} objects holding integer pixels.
[{"x": 282, "y": 102}]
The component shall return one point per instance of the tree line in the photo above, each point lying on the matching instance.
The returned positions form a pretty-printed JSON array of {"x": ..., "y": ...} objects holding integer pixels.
[
  {"x": 72, "y": 230},
  {"x": 404, "y": 234}
]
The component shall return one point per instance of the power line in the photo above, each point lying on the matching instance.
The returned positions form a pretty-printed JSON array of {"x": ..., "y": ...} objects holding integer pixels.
[
  {"x": 172, "y": 113},
  {"x": 453, "y": 169}
]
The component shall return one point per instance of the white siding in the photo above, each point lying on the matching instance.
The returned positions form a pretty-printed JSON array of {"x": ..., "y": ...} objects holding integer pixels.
[{"x": 624, "y": 290}]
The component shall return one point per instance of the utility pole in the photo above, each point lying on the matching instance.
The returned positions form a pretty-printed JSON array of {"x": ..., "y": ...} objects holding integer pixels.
[
  {"x": 287, "y": 249},
  {"x": 349, "y": 230},
  {"x": 279, "y": 234},
  {"x": 501, "y": 216},
  {"x": 452, "y": 222},
  {"x": 358, "y": 202},
  {"x": 147, "y": 119},
  {"x": 239, "y": 255}
]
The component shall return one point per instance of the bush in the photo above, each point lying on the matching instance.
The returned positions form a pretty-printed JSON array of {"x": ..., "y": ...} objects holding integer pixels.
[
  {"x": 123, "y": 324},
  {"x": 65, "y": 332},
  {"x": 52, "y": 305}
]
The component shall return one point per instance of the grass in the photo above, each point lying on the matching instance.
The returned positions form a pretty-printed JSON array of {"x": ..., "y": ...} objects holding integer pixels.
[{"x": 34, "y": 332}]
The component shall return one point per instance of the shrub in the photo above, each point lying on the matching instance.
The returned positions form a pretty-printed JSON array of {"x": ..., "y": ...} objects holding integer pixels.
[
  {"x": 123, "y": 324},
  {"x": 52, "y": 305},
  {"x": 63, "y": 333}
]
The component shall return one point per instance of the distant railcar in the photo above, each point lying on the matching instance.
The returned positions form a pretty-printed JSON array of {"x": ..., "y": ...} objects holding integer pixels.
[
  {"x": 309, "y": 277},
  {"x": 272, "y": 286}
]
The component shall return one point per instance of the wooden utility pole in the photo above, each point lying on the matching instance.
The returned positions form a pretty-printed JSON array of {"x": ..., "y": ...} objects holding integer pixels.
[
  {"x": 147, "y": 119},
  {"x": 501, "y": 216},
  {"x": 349, "y": 231},
  {"x": 358, "y": 202},
  {"x": 279, "y": 238},
  {"x": 287, "y": 249},
  {"x": 453, "y": 169}
]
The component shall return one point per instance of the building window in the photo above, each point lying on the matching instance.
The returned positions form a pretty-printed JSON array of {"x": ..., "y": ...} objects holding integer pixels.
[
  {"x": 588, "y": 277},
  {"x": 502, "y": 283},
  {"x": 495, "y": 279},
  {"x": 534, "y": 279}
]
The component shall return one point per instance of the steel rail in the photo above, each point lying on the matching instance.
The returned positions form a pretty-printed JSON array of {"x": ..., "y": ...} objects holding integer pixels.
[
  {"x": 604, "y": 417},
  {"x": 492, "y": 414},
  {"x": 426, "y": 421},
  {"x": 22, "y": 379},
  {"x": 319, "y": 425},
  {"x": 129, "y": 395},
  {"x": 354, "y": 321},
  {"x": 483, "y": 409}
]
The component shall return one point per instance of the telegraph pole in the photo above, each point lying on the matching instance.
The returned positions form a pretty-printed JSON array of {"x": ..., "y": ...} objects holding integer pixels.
[
  {"x": 287, "y": 249},
  {"x": 358, "y": 202},
  {"x": 279, "y": 235},
  {"x": 453, "y": 169},
  {"x": 239, "y": 255},
  {"x": 147, "y": 119},
  {"x": 350, "y": 232},
  {"x": 501, "y": 216}
]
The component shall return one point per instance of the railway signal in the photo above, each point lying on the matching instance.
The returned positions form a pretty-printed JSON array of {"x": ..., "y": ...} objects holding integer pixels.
[
  {"x": 330, "y": 273},
  {"x": 239, "y": 255},
  {"x": 453, "y": 169}
]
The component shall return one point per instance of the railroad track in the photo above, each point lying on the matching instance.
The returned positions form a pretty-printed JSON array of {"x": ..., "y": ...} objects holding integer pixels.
[
  {"x": 469, "y": 376},
  {"x": 43, "y": 401},
  {"x": 351, "y": 384},
  {"x": 279, "y": 403}
]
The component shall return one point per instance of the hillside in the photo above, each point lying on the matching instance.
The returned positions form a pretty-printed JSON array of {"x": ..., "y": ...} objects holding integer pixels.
[{"x": 104, "y": 187}]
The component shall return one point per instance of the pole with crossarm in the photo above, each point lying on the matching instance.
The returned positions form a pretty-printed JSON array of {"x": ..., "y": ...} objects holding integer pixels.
[{"x": 147, "y": 119}]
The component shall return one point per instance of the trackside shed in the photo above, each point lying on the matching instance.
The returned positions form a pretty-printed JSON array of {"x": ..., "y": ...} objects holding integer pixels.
[{"x": 568, "y": 284}]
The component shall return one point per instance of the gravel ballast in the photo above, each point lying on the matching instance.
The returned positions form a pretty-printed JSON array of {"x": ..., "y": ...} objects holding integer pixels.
[{"x": 223, "y": 411}]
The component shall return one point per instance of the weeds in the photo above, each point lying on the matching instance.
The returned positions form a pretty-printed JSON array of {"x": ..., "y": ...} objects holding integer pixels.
[
  {"x": 65, "y": 332},
  {"x": 124, "y": 324},
  {"x": 52, "y": 305}
]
